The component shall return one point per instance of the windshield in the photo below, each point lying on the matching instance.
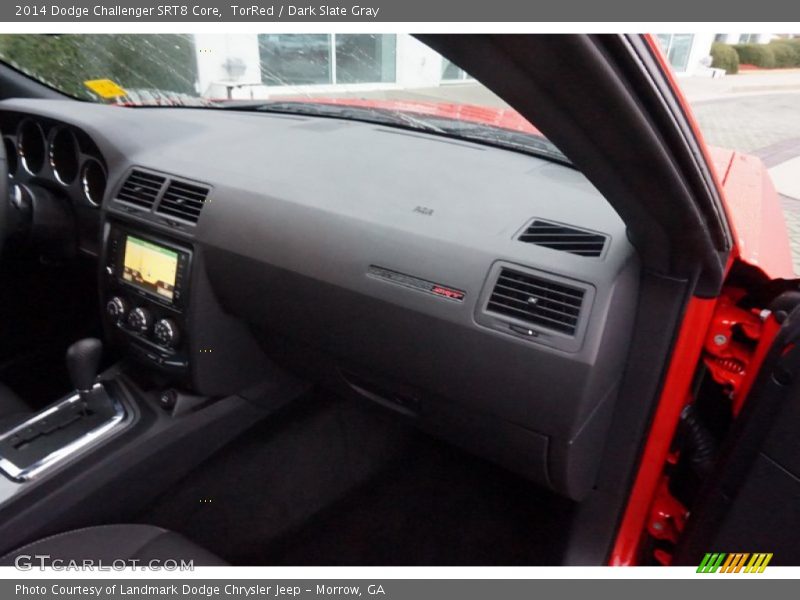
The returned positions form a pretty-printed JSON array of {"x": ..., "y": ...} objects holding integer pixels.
[{"x": 390, "y": 78}]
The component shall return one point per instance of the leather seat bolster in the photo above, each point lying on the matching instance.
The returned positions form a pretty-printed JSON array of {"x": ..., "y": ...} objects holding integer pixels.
[{"x": 109, "y": 543}]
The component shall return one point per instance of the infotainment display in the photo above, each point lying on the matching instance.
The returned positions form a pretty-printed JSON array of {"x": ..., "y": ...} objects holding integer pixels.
[{"x": 150, "y": 267}]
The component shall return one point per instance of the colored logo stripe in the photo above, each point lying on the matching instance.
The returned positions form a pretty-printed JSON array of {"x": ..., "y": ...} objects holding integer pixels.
[
  {"x": 734, "y": 562},
  {"x": 711, "y": 562},
  {"x": 758, "y": 563}
]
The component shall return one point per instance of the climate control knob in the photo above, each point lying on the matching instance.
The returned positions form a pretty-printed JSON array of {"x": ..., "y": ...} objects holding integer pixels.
[
  {"x": 117, "y": 308},
  {"x": 140, "y": 320},
  {"x": 166, "y": 333}
]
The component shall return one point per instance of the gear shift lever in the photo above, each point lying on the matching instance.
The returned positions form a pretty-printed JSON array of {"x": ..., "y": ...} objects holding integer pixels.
[
  {"x": 83, "y": 361},
  {"x": 61, "y": 430}
]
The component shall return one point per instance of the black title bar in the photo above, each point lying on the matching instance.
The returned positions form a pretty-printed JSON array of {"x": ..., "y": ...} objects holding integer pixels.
[{"x": 388, "y": 11}]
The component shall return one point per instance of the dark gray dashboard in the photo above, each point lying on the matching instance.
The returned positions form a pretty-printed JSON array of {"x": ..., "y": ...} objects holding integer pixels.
[{"x": 377, "y": 252}]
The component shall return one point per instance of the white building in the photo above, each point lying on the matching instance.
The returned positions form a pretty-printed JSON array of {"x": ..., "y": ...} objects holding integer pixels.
[
  {"x": 689, "y": 53},
  {"x": 258, "y": 66}
]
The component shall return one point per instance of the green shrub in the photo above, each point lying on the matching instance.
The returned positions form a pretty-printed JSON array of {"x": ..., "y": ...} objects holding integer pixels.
[
  {"x": 787, "y": 53},
  {"x": 759, "y": 55},
  {"x": 723, "y": 56}
]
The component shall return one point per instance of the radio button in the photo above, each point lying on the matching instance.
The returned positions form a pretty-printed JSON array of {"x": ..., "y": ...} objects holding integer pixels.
[
  {"x": 140, "y": 320},
  {"x": 166, "y": 333},
  {"x": 117, "y": 309}
]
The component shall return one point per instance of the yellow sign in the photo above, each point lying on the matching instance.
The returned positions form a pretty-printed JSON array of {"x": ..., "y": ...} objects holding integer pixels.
[{"x": 105, "y": 88}]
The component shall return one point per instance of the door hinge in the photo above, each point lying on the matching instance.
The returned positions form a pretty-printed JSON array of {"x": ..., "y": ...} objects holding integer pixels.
[{"x": 731, "y": 342}]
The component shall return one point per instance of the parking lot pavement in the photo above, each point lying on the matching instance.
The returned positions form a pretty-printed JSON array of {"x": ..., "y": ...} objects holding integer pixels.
[{"x": 753, "y": 124}]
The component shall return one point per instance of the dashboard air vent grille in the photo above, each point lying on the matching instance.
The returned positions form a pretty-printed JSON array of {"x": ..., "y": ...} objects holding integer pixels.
[
  {"x": 537, "y": 301},
  {"x": 183, "y": 200},
  {"x": 566, "y": 239},
  {"x": 141, "y": 189}
]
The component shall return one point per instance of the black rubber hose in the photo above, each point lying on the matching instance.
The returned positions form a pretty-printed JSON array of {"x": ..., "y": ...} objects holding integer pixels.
[{"x": 702, "y": 447}]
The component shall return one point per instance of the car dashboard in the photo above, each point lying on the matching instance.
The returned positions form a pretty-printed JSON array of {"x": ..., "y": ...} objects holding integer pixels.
[{"x": 483, "y": 294}]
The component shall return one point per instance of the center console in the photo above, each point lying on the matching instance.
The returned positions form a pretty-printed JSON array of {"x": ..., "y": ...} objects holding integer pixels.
[
  {"x": 146, "y": 287},
  {"x": 161, "y": 311},
  {"x": 59, "y": 432},
  {"x": 191, "y": 377}
]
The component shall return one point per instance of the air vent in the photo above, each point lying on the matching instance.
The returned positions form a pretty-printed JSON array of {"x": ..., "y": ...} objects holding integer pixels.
[
  {"x": 536, "y": 301},
  {"x": 566, "y": 239},
  {"x": 141, "y": 189},
  {"x": 183, "y": 200}
]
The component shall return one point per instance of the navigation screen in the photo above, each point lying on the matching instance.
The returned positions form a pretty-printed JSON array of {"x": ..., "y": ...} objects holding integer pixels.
[{"x": 150, "y": 267}]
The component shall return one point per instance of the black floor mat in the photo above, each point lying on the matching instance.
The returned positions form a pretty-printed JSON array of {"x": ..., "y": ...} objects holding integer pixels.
[
  {"x": 436, "y": 506},
  {"x": 276, "y": 476},
  {"x": 333, "y": 484}
]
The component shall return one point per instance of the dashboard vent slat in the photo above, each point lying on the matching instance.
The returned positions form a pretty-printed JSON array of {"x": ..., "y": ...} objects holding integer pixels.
[
  {"x": 537, "y": 301},
  {"x": 141, "y": 189},
  {"x": 564, "y": 238},
  {"x": 183, "y": 200}
]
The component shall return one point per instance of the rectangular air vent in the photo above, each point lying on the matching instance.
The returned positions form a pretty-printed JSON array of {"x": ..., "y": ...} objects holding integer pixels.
[
  {"x": 183, "y": 200},
  {"x": 141, "y": 189},
  {"x": 564, "y": 238},
  {"x": 536, "y": 301}
]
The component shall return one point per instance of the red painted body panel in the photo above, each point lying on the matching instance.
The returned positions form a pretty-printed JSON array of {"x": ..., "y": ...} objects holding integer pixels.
[
  {"x": 675, "y": 392},
  {"x": 755, "y": 214},
  {"x": 760, "y": 239},
  {"x": 672, "y": 400}
]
